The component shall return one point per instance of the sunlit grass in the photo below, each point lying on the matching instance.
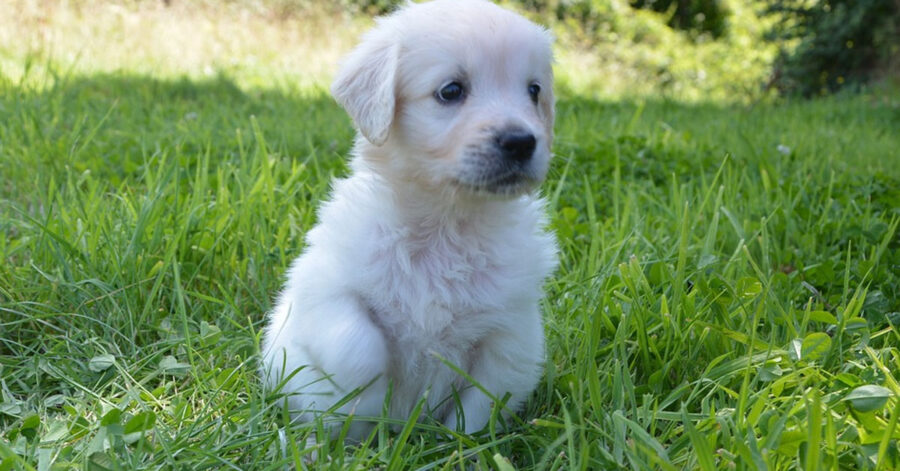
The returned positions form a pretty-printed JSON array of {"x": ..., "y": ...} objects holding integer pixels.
[
  {"x": 252, "y": 41},
  {"x": 299, "y": 42},
  {"x": 726, "y": 299}
]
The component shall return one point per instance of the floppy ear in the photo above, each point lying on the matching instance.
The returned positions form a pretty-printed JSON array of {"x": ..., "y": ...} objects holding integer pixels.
[{"x": 365, "y": 84}]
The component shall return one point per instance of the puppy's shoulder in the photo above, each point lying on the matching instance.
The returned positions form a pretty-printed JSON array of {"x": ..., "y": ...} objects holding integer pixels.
[
  {"x": 546, "y": 250},
  {"x": 348, "y": 219}
]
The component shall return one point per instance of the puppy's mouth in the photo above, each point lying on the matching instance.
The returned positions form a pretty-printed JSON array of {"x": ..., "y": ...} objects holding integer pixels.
[
  {"x": 497, "y": 167},
  {"x": 510, "y": 182}
]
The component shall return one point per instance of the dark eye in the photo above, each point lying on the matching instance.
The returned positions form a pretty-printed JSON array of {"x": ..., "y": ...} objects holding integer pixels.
[
  {"x": 534, "y": 90},
  {"x": 450, "y": 93}
]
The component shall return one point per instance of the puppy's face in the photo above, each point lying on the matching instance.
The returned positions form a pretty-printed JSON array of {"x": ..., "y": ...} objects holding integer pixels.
[{"x": 454, "y": 93}]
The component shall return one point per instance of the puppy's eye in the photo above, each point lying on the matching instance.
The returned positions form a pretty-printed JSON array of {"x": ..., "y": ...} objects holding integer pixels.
[
  {"x": 450, "y": 93},
  {"x": 534, "y": 90}
]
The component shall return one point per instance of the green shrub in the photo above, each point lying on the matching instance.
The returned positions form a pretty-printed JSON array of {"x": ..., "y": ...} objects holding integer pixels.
[
  {"x": 586, "y": 15},
  {"x": 839, "y": 43},
  {"x": 378, "y": 7},
  {"x": 702, "y": 16},
  {"x": 288, "y": 8}
]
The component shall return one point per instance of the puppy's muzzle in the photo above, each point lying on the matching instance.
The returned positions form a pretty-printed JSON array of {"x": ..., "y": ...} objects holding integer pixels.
[
  {"x": 516, "y": 145},
  {"x": 503, "y": 163}
]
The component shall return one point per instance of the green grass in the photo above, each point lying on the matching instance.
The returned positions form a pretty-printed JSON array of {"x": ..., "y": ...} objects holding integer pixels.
[
  {"x": 716, "y": 302},
  {"x": 727, "y": 296}
]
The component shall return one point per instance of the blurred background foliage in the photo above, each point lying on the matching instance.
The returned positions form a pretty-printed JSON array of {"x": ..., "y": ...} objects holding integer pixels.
[
  {"x": 722, "y": 47},
  {"x": 702, "y": 16},
  {"x": 839, "y": 43},
  {"x": 690, "y": 50}
]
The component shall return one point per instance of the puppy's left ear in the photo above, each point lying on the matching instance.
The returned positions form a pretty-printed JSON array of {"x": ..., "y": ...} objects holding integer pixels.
[{"x": 365, "y": 85}]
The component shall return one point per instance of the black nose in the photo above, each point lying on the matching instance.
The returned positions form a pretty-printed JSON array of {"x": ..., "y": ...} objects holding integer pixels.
[{"x": 516, "y": 145}]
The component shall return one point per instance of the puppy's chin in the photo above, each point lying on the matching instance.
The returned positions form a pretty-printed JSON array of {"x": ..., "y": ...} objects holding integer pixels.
[
  {"x": 505, "y": 185},
  {"x": 490, "y": 173}
]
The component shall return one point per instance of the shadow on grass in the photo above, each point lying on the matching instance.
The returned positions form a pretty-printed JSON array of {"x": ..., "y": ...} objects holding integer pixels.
[
  {"x": 128, "y": 202},
  {"x": 86, "y": 148},
  {"x": 243, "y": 170},
  {"x": 151, "y": 220},
  {"x": 110, "y": 124}
]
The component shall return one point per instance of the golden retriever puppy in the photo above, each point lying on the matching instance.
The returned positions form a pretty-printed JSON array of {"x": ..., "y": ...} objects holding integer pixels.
[{"x": 433, "y": 252}]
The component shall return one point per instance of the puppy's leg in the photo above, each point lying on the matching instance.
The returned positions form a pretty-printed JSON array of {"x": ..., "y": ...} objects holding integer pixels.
[
  {"x": 342, "y": 350},
  {"x": 506, "y": 362}
]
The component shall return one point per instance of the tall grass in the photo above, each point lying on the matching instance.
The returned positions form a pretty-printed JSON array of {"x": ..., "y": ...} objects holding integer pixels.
[{"x": 726, "y": 299}]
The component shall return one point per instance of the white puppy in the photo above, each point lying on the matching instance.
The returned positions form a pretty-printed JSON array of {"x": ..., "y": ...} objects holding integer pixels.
[{"x": 433, "y": 250}]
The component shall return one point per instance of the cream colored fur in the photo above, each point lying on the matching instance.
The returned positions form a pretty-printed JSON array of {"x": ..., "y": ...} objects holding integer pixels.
[{"x": 434, "y": 249}]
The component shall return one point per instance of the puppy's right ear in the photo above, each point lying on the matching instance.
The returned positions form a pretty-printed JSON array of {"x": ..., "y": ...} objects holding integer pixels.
[{"x": 365, "y": 85}]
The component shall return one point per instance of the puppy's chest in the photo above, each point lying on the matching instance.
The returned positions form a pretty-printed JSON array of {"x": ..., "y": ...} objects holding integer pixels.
[{"x": 440, "y": 291}]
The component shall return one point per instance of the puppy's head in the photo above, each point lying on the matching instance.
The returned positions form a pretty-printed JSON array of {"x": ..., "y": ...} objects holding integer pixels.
[{"x": 453, "y": 93}]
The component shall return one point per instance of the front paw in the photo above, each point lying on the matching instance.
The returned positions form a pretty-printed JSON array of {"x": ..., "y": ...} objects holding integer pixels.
[{"x": 471, "y": 416}]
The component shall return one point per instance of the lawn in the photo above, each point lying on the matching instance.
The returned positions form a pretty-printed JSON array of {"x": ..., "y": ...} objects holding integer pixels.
[{"x": 727, "y": 296}]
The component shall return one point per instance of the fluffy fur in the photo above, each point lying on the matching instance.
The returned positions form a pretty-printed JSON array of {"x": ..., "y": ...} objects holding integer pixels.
[{"x": 434, "y": 248}]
